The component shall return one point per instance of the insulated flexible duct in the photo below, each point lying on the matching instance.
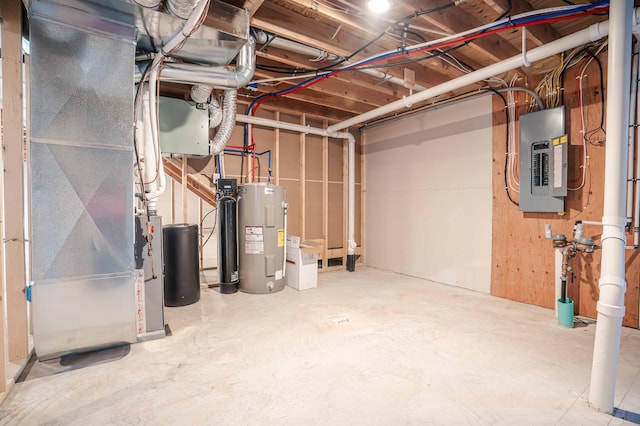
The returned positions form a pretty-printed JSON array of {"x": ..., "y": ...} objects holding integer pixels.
[
  {"x": 181, "y": 8},
  {"x": 201, "y": 93},
  {"x": 228, "y": 122},
  {"x": 151, "y": 4},
  {"x": 215, "y": 113}
]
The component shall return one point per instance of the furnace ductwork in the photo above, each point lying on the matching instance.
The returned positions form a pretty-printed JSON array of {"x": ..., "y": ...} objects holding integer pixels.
[{"x": 218, "y": 143}]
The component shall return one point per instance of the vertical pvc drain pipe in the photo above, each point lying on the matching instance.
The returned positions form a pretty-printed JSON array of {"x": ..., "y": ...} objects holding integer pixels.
[{"x": 606, "y": 349}]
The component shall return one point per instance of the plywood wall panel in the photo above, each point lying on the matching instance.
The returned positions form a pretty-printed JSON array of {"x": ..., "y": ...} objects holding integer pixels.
[
  {"x": 335, "y": 160},
  {"x": 289, "y": 155},
  {"x": 313, "y": 210},
  {"x": 523, "y": 264},
  {"x": 336, "y": 219},
  {"x": 313, "y": 157}
]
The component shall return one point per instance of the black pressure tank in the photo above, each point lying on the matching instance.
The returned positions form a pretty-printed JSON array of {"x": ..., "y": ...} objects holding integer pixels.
[{"x": 181, "y": 270}]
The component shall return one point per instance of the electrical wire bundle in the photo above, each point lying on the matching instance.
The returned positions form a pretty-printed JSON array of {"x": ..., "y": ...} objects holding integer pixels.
[{"x": 434, "y": 47}]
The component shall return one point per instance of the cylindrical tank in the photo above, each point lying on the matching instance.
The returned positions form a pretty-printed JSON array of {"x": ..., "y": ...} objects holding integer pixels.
[
  {"x": 181, "y": 269},
  {"x": 261, "y": 237},
  {"x": 227, "y": 237}
]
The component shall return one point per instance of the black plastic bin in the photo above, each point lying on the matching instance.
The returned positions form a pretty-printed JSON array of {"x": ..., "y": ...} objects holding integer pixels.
[{"x": 181, "y": 269}]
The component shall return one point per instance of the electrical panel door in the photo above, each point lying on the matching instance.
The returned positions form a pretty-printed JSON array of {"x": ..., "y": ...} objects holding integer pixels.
[{"x": 544, "y": 148}]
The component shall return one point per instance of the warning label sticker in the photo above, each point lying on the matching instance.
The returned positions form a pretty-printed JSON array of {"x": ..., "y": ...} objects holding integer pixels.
[
  {"x": 280, "y": 237},
  {"x": 254, "y": 240}
]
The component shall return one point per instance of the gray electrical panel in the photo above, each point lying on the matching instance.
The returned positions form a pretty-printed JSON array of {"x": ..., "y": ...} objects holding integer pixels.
[
  {"x": 184, "y": 129},
  {"x": 544, "y": 148}
]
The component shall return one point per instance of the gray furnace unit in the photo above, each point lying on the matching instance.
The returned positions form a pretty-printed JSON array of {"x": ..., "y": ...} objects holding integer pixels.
[
  {"x": 261, "y": 237},
  {"x": 544, "y": 148},
  {"x": 82, "y": 58}
]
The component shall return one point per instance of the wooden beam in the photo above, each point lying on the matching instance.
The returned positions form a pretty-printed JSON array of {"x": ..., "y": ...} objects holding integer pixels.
[
  {"x": 325, "y": 195},
  {"x": 296, "y": 106},
  {"x": 341, "y": 84},
  {"x": 251, "y": 5},
  {"x": 173, "y": 197},
  {"x": 318, "y": 95},
  {"x": 357, "y": 78},
  {"x": 183, "y": 179},
  {"x": 453, "y": 21},
  {"x": 539, "y": 34},
  {"x": 287, "y": 23},
  {"x": 173, "y": 168},
  {"x": 16, "y": 303},
  {"x": 3, "y": 335},
  {"x": 436, "y": 66}
]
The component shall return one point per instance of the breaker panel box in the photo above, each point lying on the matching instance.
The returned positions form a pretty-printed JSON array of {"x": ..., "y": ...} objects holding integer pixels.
[{"x": 544, "y": 149}]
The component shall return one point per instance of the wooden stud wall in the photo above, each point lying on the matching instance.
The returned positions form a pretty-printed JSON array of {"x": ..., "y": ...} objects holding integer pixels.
[
  {"x": 522, "y": 260},
  {"x": 313, "y": 171},
  {"x": 13, "y": 163}
]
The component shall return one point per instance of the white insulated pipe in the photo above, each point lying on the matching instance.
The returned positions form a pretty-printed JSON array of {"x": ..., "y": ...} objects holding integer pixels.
[
  {"x": 612, "y": 284},
  {"x": 351, "y": 189},
  {"x": 588, "y": 35}
]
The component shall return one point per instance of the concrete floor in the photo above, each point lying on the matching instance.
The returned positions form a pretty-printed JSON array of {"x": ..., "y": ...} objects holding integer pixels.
[{"x": 364, "y": 348}]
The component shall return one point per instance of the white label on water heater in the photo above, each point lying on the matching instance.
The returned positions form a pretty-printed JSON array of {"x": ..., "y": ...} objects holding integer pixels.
[
  {"x": 279, "y": 274},
  {"x": 254, "y": 240}
]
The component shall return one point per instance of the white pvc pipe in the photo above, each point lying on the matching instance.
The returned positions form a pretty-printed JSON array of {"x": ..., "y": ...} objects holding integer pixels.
[
  {"x": 590, "y": 34},
  {"x": 285, "y": 206},
  {"x": 351, "y": 190},
  {"x": 636, "y": 102},
  {"x": 154, "y": 72},
  {"x": 557, "y": 253},
  {"x": 631, "y": 141},
  {"x": 612, "y": 284},
  {"x": 351, "y": 206}
]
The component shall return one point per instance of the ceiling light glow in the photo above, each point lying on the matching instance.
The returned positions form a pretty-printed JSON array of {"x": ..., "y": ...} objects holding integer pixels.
[{"x": 378, "y": 6}]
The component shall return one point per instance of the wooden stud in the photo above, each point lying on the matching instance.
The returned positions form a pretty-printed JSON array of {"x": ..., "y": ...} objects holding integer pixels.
[
  {"x": 184, "y": 189},
  {"x": 3, "y": 336},
  {"x": 200, "y": 239},
  {"x": 325, "y": 197},
  {"x": 173, "y": 201},
  {"x": 27, "y": 156},
  {"x": 16, "y": 304},
  {"x": 303, "y": 139},
  {"x": 276, "y": 156}
]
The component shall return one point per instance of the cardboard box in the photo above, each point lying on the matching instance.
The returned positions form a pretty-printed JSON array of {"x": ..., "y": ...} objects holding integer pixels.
[{"x": 302, "y": 262}]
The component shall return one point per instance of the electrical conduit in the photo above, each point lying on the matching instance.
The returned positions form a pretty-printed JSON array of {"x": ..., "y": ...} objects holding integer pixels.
[{"x": 612, "y": 284}]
